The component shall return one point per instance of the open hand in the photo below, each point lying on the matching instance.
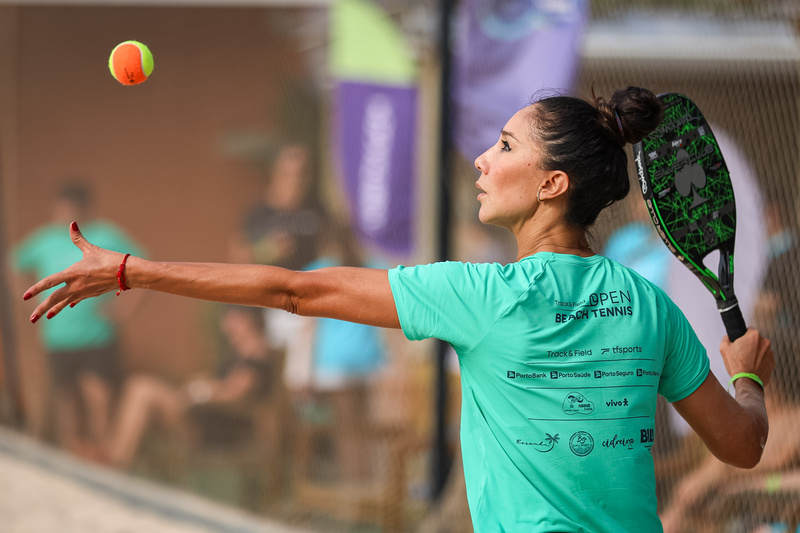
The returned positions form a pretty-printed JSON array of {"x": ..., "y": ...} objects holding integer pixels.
[{"x": 92, "y": 276}]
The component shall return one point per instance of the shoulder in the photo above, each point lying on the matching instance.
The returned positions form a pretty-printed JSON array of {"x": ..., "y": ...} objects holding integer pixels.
[
  {"x": 43, "y": 237},
  {"x": 105, "y": 226},
  {"x": 467, "y": 280},
  {"x": 44, "y": 233},
  {"x": 109, "y": 235},
  {"x": 450, "y": 269}
]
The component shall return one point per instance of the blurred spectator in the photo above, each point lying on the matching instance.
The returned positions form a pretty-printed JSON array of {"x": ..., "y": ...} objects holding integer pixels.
[
  {"x": 776, "y": 315},
  {"x": 246, "y": 372},
  {"x": 778, "y": 307},
  {"x": 283, "y": 229},
  {"x": 344, "y": 358},
  {"x": 687, "y": 509},
  {"x": 638, "y": 246},
  {"x": 83, "y": 348}
]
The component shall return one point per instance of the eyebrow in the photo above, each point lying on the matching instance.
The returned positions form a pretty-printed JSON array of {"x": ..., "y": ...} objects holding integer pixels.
[{"x": 509, "y": 134}]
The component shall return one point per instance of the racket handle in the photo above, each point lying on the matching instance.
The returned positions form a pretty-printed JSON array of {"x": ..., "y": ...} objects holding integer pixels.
[{"x": 732, "y": 318}]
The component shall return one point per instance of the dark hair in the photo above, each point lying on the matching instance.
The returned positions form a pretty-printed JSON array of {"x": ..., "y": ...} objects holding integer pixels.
[
  {"x": 586, "y": 140},
  {"x": 77, "y": 193}
]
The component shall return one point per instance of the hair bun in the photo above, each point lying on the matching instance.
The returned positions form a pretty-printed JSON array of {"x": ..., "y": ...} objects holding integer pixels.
[{"x": 631, "y": 114}]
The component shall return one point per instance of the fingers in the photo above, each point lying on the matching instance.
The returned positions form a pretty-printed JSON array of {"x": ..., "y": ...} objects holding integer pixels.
[
  {"x": 54, "y": 304},
  {"x": 44, "y": 284},
  {"x": 768, "y": 357},
  {"x": 750, "y": 353},
  {"x": 750, "y": 337},
  {"x": 60, "y": 298},
  {"x": 57, "y": 279},
  {"x": 77, "y": 237},
  {"x": 51, "y": 305},
  {"x": 57, "y": 308}
]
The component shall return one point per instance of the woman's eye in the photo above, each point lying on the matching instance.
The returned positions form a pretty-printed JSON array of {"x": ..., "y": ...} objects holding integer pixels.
[{"x": 506, "y": 147}]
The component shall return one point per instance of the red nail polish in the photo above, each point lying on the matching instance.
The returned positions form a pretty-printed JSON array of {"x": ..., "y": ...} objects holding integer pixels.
[
  {"x": 74, "y": 226},
  {"x": 50, "y": 315},
  {"x": 34, "y": 318},
  {"x": 27, "y": 296}
]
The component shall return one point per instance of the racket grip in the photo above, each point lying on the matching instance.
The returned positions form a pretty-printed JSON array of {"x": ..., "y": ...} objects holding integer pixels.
[{"x": 732, "y": 318}]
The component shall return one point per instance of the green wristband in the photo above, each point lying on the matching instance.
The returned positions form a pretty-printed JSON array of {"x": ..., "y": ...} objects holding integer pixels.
[{"x": 747, "y": 375}]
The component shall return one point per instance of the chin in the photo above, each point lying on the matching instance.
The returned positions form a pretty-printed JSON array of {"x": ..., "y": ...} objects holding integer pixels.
[{"x": 490, "y": 221}]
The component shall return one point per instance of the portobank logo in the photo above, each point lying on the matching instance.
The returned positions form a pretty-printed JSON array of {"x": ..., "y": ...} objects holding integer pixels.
[{"x": 511, "y": 374}]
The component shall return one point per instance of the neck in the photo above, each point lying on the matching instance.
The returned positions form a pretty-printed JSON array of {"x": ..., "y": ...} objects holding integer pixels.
[{"x": 556, "y": 236}]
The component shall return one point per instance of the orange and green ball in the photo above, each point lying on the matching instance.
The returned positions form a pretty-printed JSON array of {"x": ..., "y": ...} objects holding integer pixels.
[{"x": 130, "y": 63}]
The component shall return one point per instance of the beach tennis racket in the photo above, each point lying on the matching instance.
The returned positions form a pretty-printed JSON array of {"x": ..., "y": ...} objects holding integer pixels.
[{"x": 689, "y": 196}]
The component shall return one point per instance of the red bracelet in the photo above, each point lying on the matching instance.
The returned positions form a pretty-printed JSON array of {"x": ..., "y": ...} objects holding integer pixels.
[{"x": 121, "y": 275}]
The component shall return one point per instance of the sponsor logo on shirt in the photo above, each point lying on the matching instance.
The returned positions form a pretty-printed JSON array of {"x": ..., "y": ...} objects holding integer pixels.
[
  {"x": 511, "y": 374},
  {"x": 619, "y": 442},
  {"x": 545, "y": 445},
  {"x": 581, "y": 443},
  {"x": 577, "y": 403},
  {"x": 569, "y": 353},
  {"x": 617, "y": 403},
  {"x": 612, "y": 373},
  {"x": 555, "y": 374},
  {"x": 621, "y": 350},
  {"x": 647, "y": 437}
]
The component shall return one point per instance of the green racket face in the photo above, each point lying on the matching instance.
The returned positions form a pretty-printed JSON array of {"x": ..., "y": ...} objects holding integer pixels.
[{"x": 688, "y": 190}]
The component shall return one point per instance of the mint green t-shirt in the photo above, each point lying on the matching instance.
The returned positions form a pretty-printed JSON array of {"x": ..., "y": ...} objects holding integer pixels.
[
  {"x": 49, "y": 250},
  {"x": 561, "y": 361}
]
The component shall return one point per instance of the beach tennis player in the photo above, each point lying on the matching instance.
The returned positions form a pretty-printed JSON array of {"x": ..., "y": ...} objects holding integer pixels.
[{"x": 562, "y": 352}]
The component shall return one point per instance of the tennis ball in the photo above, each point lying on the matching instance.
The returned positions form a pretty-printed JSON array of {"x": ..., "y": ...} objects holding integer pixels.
[{"x": 130, "y": 62}]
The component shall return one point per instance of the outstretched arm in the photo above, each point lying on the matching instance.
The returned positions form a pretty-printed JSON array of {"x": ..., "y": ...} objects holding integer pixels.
[
  {"x": 735, "y": 430},
  {"x": 345, "y": 293}
]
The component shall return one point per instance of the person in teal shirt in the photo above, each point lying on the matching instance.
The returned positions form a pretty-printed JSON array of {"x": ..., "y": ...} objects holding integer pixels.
[
  {"x": 83, "y": 349},
  {"x": 345, "y": 359},
  {"x": 562, "y": 352}
]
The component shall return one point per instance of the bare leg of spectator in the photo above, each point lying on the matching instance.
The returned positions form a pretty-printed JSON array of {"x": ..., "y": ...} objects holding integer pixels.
[
  {"x": 65, "y": 410},
  {"x": 144, "y": 400},
  {"x": 97, "y": 399},
  {"x": 352, "y": 450}
]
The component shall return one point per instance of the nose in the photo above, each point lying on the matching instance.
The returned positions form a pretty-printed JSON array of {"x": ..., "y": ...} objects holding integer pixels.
[{"x": 480, "y": 162}]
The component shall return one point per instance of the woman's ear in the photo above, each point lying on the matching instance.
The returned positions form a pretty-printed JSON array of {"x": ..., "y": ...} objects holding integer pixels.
[{"x": 554, "y": 185}]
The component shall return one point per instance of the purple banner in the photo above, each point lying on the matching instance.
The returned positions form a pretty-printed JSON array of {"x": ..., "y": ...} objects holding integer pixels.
[
  {"x": 506, "y": 51},
  {"x": 374, "y": 132}
]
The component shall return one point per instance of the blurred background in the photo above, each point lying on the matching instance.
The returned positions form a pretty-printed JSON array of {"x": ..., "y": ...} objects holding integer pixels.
[{"x": 306, "y": 133}]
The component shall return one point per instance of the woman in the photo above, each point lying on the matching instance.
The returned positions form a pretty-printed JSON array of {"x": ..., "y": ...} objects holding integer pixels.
[{"x": 562, "y": 352}]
